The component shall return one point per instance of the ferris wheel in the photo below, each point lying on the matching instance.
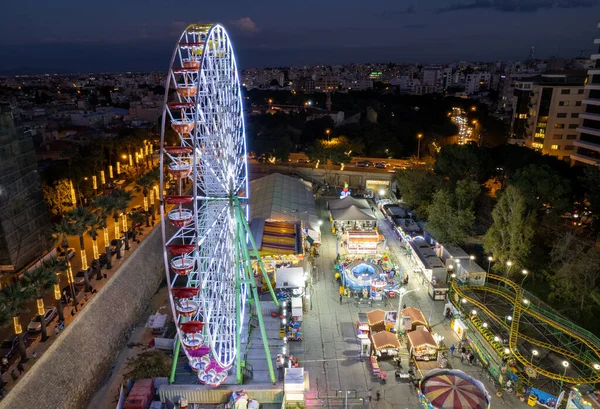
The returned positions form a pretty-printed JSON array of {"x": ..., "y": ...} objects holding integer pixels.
[{"x": 205, "y": 247}]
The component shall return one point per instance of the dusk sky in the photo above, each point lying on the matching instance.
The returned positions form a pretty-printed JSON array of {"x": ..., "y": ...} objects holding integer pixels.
[{"x": 128, "y": 35}]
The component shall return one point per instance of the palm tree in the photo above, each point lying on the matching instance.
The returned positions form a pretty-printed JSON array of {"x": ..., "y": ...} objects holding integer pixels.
[
  {"x": 13, "y": 299},
  {"x": 94, "y": 226},
  {"x": 121, "y": 199},
  {"x": 57, "y": 267},
  {"x": 80, "y": 219},
  {"x": 39, "y": 280},
  {"x": 103, "y": 204},
  {"x": 60, "y": 233},
  {"x": 144, "y": 184}
]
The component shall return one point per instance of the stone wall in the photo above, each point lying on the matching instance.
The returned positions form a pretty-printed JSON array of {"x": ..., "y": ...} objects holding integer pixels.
[{"x": 67, "y": 375}]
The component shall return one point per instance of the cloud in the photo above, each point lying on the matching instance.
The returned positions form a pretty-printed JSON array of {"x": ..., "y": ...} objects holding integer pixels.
[
  {"x": 518, "y": 6},
  {"x": 392, "y": 13},
  {"x": 245, "y": 24}
]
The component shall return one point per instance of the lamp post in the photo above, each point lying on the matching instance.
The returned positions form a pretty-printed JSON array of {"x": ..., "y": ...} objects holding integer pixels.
[
  {"x": 534, "y": 353},
  {"x": 565, "y": 364},
  {"x": 401, "y": 292},
  {"x": 525, "y": 274},
  {"x": 471, "y": 258},
  {"x": 328, "y": 132},
  {"x": 509, "y": 265},
  {"x": 419, "y": 136},
  {"x": 490, "y": 259}
]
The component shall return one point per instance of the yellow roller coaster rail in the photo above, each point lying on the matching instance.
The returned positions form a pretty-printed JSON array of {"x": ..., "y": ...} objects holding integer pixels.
[{"x": 518, "y": 309}]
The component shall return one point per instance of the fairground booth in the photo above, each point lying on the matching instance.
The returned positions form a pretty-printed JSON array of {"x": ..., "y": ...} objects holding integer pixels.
[
  {"x": 413, "y": 319},
  {"x": 351, "y": 214},
  {"x": 385, "y": 345},
  {"x": 431, "y": 267},
  {"x": 283, "y": 222},
  {"x": 422, "y": 345}
]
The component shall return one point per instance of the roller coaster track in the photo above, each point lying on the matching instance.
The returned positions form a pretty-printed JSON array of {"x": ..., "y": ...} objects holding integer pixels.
[{"x": 555, "y": 322}]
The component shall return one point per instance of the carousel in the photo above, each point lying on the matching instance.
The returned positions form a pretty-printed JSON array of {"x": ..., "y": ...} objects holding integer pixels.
[
  {"x": 452, "y": 389},
  {"x": 365, "y": 278}
]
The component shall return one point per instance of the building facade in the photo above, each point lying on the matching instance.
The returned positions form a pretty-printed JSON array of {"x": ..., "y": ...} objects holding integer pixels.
[
  {"x": 546, "y": 112},
  {"x": 24, "y": 219},
  {"x": 588, "y": 141}
]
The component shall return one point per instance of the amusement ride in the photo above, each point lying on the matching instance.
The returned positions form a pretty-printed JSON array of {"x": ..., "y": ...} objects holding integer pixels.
[
  {"x": 206, "y": 235},
  {"x": 539, "y": 339}
]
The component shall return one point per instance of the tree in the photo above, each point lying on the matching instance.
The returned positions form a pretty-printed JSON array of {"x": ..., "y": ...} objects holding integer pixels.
[
  {"x": 575, "y": 263},
  {"x": 103, "y": 204},
  {"x": 57, "y": 196},
  {"x": 452, "y": 214},
  {"x": 591, "y": 183},
  {"x": 121, "y": 199},
  {"x": 458, "y": 162},
  {"x": 60, "y": 234},
  {"x": 57, "y": 267},
  {"x": 80, "y": 220},
  {"x": 13, "y": 300},
  {"x": 542, "y": 187},
  {"x": 95, "y": 224},
  {"x": 38, "y": 280},
  {"x": 511, "y": 235},
  {"x": 337, "y": 150},
  {"x": 149, "y": 364},
  {"x": 144, "y": 184},
  {"x": 417, "y": 186}
]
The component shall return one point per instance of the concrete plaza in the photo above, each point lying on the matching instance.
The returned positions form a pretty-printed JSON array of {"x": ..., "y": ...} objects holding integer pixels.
[{"x": 330, "y": 351}]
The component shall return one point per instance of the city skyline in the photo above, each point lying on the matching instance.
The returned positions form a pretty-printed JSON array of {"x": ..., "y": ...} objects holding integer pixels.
[{"x": 63, "y": 39}]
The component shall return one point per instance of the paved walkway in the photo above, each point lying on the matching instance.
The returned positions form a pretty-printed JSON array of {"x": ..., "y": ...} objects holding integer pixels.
[{"x": 330, "y": 351}]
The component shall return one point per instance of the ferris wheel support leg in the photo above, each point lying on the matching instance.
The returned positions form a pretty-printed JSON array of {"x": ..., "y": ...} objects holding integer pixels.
[
  {"x": 175, "y": 357},
  {"x": 246, "y": 254},
  {"x": 238, "y": 311},
  {"x": 254, "y": 251}
]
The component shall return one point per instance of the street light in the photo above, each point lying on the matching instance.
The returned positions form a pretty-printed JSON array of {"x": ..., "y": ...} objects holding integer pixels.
[
  {"x": 401, "y": 292},
  {"x": 490, "y": 259},
  {"x": 525, "y": 273},
  {"x": 419, "y": 136},
  {"x": 566, "y": 365},
  {"x": 327, "y": 132},
  {"x": 534, "y": 353},
  {"x": 509, "y": 265},
  {"x": 471, "y": 258}
]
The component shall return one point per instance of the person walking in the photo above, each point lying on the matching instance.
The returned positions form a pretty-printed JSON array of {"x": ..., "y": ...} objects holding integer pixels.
[
  {"x": 341, "y": 297},
  {"x": 463, "y": 355},
  {"x": 452, "y": 348},
  {"x": 378, "y": 396}
]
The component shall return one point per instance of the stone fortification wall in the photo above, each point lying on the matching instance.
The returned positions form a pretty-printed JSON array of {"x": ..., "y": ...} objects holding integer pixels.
[{"x": 67, "y": 375}]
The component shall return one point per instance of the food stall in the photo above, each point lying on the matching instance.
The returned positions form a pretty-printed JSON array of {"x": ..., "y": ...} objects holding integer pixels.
[
  {"x": 385, "y": 344},
  {"x": 413, "y": 318},
  {"x": 361, "y": 242},
  {"x": 459, "y": 328},
  {"x": 422, "y": 345},
  {"x": 376, "y": 320}
]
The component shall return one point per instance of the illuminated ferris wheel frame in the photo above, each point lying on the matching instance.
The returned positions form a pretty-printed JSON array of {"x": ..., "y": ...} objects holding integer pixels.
[{"x": 207, "y": 259}]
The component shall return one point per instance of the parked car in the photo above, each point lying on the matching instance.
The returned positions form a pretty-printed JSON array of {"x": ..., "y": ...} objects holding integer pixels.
[
  {"x": 303, "y": 161},
  {"x": 66, "y": 290},
  {"x": 381, "y": 165},
  {"x": 80, "y": 276},
  {"x": 365, "y": 164},
  {"x": 60, "y": 253},
  {"x": 11, "y": 345},
  {"x": 137, "y": 208},
  {"x": 35, "y": 325},
  {"x": 116, "y": 242}
]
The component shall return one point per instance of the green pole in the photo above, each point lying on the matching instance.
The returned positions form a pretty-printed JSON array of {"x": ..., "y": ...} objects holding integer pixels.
[
  {"x": 238, "y": 312},
  {"x": 261, "y": 324},
  {"x": 255, "y": 250},
  {"x": 175, "y": 358}
]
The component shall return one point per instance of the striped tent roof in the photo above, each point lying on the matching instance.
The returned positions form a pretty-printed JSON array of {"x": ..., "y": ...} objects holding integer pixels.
[{"x": 452, "y": 389}]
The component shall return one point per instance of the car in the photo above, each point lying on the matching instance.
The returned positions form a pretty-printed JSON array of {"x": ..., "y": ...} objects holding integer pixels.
[
  {"x": 60, "y": 253},
  {"x": 365, "y": 164},
  {"x": 11, "y": 346},
  {"x": 137, "y": 208},
  {"x": 66, "y": 291},
  {"x": 381, "y": 165},
  {"x": 303, "y": 161},
  {"x": 35, "y": 324},
  {"x": 116, "y": 242},
  {"x": 80, "y": 276}
]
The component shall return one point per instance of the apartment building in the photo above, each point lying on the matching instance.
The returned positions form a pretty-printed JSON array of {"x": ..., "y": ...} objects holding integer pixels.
[
  {"x": 546, "y": 112},
  {"x": 588, "y": 141}
]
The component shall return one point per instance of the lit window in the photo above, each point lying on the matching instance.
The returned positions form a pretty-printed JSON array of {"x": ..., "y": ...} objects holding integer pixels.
[
  {"x": 537, "y": 145},
  {"x": 554, "y": 147},
  {"x": 559, "y": 126},
  {"x": 522, "y": 116}
]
